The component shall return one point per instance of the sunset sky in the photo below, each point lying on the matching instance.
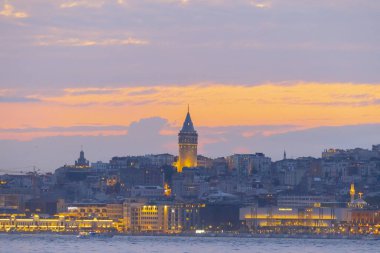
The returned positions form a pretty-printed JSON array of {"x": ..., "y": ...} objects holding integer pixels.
[{"x": 116, "y": 76}]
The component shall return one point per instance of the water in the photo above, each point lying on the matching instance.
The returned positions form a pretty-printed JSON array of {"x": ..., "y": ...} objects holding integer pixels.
[{"x": 13, "y": 243}]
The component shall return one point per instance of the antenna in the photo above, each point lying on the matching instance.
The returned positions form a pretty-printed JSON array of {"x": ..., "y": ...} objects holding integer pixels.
[{"x": 188, "y": 108}]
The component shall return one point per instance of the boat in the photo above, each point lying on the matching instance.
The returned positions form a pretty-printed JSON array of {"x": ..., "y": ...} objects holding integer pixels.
[{"x": 92, "y": 234}]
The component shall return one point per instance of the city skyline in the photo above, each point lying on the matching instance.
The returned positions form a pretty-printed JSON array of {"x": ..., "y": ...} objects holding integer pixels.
[{"x": 260, "y": 76}]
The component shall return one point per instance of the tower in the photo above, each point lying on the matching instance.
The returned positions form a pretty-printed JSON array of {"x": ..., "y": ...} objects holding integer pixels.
[{"x": 188, "y": 143}]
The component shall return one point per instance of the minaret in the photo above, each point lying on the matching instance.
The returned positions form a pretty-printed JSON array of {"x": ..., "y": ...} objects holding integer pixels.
[
  {"x": 284, "y": 155},
  {"x": 352, "y": 192},
  {"x": 188, "y": 143}
]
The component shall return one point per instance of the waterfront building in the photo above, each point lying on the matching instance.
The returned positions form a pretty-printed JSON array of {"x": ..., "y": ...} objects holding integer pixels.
[
  {"x": 277, "y": 216},
  {"x": 112, "y": 211},
  {"x": 20, "y": 223},
  {"x": 188, "y": 144},
  {"x": 141, "y": 216},
  {"x": 44, "y": 206},
  {"x": 222, "y": 216},
  {"x": 365, "y": 217}
]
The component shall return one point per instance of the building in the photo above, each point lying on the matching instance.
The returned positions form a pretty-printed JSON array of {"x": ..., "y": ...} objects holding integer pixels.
[
  {"x": 129, "y": 162},
  {"x": 189, "y": 184},
  {"x": 248, "y": 164},
  {"x": 20, "y": 223},
  {"x": 304, "y": 200},
  {"x": 13, "y": 201},
  {"x": 147, "y": 176},
  {"x": 100, "y": 167},
  {"x": 276, "y": 216},
  {"x": 44, "y": 205},
  {"x": 112, "y": 211},
  {"x": 160, "y": 160},
  {"x": 141, "y": 217},
  {"x": 167, "y": 217},
  {"x": 220, "y": 216},
  {"x": 82, "y": 162},
  {"x": 203, "y": 161},
  {"x": 188, "y": 143},
  {"x": 147, "y": 191}
]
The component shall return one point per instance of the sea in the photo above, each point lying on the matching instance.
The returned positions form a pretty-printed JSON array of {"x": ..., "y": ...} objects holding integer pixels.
[{"x": 46, "y": 243}]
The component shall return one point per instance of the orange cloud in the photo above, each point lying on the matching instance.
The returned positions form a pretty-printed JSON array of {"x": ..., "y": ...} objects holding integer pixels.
[
  {"x": 303, "y": 104},
  {"x": 9, "y": 11}
]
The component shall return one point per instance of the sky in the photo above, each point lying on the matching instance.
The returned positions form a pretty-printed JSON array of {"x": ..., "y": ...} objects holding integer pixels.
[{"x": 116, "y": 77}]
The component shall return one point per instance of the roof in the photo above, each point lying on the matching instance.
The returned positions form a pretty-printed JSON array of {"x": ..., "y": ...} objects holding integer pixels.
[
  {"x": 188, "y": 124},
  {"x": 359, "y": 201}
]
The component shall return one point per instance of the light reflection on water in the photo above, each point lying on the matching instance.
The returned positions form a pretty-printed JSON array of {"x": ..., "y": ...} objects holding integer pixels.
[{"x": 69, "y": 243}]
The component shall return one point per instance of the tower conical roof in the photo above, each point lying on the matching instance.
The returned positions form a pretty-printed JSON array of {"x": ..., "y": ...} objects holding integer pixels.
[{"x": 188, "y": 124}]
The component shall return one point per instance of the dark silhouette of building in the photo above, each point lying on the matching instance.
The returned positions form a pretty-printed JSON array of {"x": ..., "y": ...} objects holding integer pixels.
[{"x": 82, "y": 162}]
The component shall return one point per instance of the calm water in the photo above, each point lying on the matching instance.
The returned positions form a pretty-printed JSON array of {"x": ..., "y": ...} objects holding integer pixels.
[{"x": 69, "y": 244}]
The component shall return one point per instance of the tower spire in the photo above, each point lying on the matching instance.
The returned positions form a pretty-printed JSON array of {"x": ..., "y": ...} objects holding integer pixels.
[{"x": 188, "y": 108}]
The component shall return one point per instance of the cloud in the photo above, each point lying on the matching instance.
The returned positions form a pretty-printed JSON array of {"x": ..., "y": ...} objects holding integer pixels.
[
  {"x": 58, "y": 129},
  {"x": 293, "y": 93},
  {"x": 81, "y": 42},
  {"x": 68, "y": 4},
  {"x": 90, "y": 91},
  {"x": 9, "y": 11},
  {"x": 148, "y": 91},
  {"x": 31, "y": 133},
  {"x": 301, "y": 104},
  {"x": 261, "y": 4},
  {"x": 82, "y": 3},
  {"x": 6, "y": 99}
]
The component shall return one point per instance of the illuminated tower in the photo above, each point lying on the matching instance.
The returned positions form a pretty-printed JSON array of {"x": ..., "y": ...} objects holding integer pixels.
[
  {"x": 187, "y": 142},
  {"x": 352, "y": 192}
]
